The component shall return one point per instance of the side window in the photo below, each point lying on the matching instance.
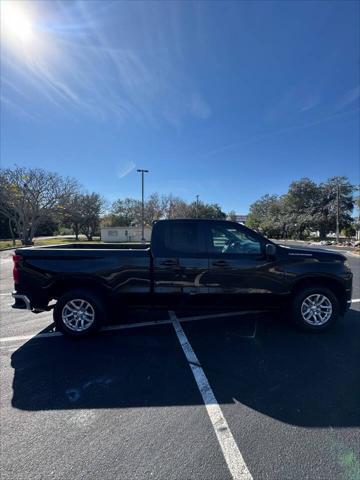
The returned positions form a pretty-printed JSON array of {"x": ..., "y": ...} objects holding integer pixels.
[
  {"x": 229, "y": 240},
  {"x": 181, "y": 239}
]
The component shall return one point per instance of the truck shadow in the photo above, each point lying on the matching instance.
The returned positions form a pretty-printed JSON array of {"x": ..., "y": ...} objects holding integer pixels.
[{"x": 297, "y": 378}]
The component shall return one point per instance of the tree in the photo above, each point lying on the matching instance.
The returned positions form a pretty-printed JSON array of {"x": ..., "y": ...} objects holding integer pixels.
[
  {"x": 349, "y": 231},
  {"x": 325, "y": 214},
  {"x": 92, "y": 206},
  {"x": 72, "y": 215},
  {"x": 6, "y": 228},
  {"x": 300, "y": 205},
  {"x": 111, "y": 220},
  {"x": 357, "y": 200},
  {"x": 305, "y": 207},
  {"x": 153, "y": 209},
  {"x": 29, "y": 195},
  {"x": 126, "y": 212},
  {"x": 267, "y": 216},
  {"x": 205, "y": 210},
  {"x": 357, "y": 204},
  {"x": 48, "y": 226},
  {"x": 174, "y": 207}
]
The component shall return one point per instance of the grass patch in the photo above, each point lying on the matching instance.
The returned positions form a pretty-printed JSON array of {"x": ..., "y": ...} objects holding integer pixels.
[
  {"x": 5, "y": 244},
  {"x": 61, "y": 241}
]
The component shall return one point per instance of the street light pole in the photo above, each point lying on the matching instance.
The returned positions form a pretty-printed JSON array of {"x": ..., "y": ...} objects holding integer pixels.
[
  {"x": 142, "y": 203},
  {"x": 197, "y": 206}
]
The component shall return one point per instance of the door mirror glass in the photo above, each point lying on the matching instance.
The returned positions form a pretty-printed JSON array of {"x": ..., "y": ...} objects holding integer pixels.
[{"x": 270, "y": 250}]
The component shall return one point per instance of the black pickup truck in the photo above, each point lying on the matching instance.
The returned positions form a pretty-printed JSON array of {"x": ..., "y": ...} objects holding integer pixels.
[{"x": 188, "y": 263}]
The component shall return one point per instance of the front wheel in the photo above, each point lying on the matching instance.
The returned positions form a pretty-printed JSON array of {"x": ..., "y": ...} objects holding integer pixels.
[
  {"x": 315, "y": 309},
  {"x": 78, "y": 313}
]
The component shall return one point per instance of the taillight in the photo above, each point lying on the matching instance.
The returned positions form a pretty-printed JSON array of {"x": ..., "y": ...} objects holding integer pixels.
[{"x": 16, "y": 260}]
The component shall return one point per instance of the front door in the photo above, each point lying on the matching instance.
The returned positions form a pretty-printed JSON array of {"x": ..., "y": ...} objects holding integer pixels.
[{"x": 239, "y": 272}]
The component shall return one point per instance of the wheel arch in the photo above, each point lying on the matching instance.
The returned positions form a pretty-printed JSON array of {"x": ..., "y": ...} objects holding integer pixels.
[
  {"x": 65, "y": 285},
  {"x": 332, "y": 284}
]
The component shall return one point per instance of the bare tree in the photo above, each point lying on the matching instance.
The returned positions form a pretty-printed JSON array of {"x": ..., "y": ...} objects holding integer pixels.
[
  {"x": 174, "y": 207},
  {"x": 28, "y": 195},
  {"x": 73, "y": 214},
  {"x": 153, "y": 209}
]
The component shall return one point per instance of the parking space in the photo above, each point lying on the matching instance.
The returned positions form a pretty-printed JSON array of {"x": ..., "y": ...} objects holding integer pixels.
[
  {"x": 292, "y": 400},
  {"x": 258, "y": 400},
  {"x": 115, "y": 406}
]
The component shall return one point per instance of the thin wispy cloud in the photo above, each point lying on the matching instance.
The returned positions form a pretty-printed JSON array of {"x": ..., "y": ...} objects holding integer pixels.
[
  {"x": 310, "y": 101},
  {"x": 266, "y": 135},
  {"x": 75, "y": 65},
  {"x": 125, "y": 169},
  {"x": 294, "y": 101},
  {"x": 16, "y": 108},
  {"x": 348, "y": 98}
]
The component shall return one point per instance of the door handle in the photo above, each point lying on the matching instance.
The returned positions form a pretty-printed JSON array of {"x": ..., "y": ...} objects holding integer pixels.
[
  {"x": 221, "y": 263},
  {"x": 170, "y": 263}
]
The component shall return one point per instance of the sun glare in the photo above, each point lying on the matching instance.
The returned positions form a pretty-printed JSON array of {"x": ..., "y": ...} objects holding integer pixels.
[{"x": 16, "y": 23}]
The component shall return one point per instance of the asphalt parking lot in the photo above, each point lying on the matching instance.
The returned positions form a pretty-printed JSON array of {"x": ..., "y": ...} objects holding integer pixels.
[{"x": 219, "y": 397}]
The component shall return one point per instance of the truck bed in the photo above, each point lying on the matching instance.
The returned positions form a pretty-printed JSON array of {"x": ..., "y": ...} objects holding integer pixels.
[{"x": 45, "y": 272}]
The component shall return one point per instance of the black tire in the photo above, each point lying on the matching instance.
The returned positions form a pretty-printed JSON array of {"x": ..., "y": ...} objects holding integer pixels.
[
  {"x": 96, "y": 311},
  {"x": 297, "y": 315}
]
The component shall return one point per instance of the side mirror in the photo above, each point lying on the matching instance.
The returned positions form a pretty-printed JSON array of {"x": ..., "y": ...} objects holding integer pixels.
[{"x": 270, "y": 250}]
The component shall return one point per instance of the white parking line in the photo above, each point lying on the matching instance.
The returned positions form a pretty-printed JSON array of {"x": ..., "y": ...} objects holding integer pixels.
[
  {"x": 231, "y": 452},
  {"x": 135, "y": 325},
  {"x": 28, "y": 337},
  {"x": 59, "y": 334},
  {"x": 149, "y": 324}
]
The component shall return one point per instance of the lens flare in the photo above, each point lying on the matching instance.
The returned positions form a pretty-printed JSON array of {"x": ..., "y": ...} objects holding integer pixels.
[{"x": 16, "y": 23}]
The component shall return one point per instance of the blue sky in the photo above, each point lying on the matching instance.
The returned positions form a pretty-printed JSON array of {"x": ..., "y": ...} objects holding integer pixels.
[{"x": 227, "y": 100}]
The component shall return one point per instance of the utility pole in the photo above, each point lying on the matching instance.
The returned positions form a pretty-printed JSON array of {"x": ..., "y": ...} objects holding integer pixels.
[
  {"x": 197, "y": 206},
  {"x": 337, "y": 211},
  {"x": 142, "y": 203}
]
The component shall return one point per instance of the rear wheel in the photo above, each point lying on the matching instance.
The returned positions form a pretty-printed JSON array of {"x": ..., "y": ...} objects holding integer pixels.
[
  {"x": 79, "y": 313},
  {"x": 315, "y": 308}
]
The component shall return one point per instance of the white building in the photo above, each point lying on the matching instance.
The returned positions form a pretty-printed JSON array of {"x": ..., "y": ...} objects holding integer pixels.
[{"x": 124, "y": 234}]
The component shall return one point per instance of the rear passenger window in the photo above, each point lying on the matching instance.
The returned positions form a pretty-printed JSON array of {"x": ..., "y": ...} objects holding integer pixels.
[{"x": 182, "y": 238}]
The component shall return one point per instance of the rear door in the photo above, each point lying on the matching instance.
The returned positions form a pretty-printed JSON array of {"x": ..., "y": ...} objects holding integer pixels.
[
  {"x": 180, "y": 260},
  {"x": 239, "y": 271}
]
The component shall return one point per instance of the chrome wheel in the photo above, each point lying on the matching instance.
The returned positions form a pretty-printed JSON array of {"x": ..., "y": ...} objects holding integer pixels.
[
  {"x": 78, "y": 315},
  {"x": 316, "y": 309}
]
